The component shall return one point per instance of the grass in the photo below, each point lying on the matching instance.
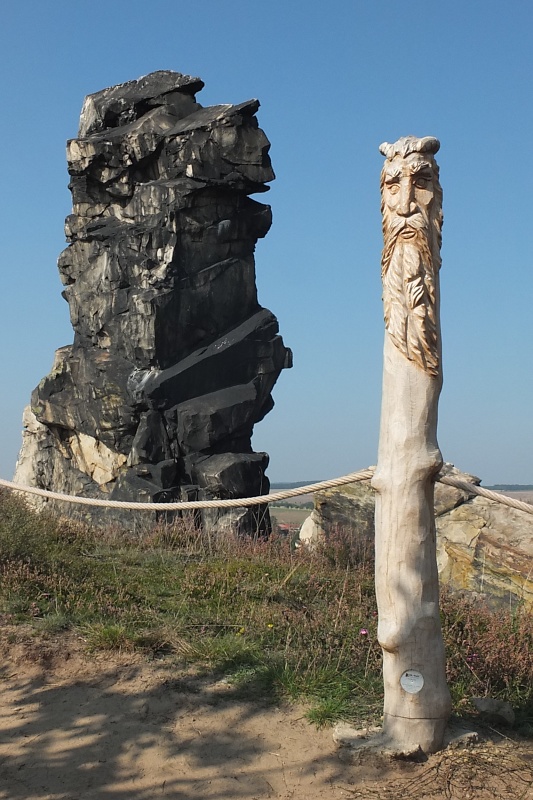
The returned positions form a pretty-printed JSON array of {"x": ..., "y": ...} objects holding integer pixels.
[{"x": 278, "y": 623}]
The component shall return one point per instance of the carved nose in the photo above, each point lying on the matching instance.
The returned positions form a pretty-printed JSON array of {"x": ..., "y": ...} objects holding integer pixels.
[{"x": 404, "y": 201}]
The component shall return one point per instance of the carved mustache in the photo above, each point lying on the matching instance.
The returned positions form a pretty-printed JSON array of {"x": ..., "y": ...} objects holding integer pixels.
[{"x": 416, "y": 222}]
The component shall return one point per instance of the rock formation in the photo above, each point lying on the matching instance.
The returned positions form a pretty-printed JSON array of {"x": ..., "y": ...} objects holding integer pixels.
[
  {"x": 173, "y": 359},
  {"x": 483, "y": 548}
]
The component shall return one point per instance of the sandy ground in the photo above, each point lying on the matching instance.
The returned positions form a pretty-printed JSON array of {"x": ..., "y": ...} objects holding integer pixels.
[{"x": 80, "y": 727}]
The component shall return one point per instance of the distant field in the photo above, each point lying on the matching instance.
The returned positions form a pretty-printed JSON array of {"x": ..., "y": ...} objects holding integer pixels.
[
  {"x": 296, "y": 516},
  {"x": 289, "y": 516},
  {"x": 294, "y": 501},
  {"x": 526, "y": 496},
  {"x": 511, "y": 487},
  {"x": 295, "y": 485}
]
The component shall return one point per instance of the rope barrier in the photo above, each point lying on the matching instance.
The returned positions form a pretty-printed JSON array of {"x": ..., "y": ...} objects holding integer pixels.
[
  {"x": 245, "y": 502},
  {"x": 488, "y": 493}
]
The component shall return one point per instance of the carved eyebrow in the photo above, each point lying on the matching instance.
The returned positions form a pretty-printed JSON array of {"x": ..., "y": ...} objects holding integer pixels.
[
  {"x": 393, "y": 175},
  {"x": 420, "y": 166}
]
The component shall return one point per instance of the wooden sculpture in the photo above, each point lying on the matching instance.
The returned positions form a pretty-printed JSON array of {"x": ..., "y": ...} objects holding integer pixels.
[{"x": 417, "y": 701}]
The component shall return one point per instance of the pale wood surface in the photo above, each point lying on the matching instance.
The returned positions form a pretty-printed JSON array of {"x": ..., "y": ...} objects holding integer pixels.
[{"x": 407, "y": 586}]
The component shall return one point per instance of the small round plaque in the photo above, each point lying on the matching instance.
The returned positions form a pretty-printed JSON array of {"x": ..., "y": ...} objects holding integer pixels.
[{"x": 412, "y": 681}]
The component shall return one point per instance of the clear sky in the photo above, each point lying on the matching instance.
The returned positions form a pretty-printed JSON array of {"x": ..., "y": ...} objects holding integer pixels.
[{"x": 335, "y": 79}]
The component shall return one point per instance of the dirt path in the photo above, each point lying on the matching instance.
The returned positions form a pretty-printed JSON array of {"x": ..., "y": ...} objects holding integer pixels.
[{"x": 75, "y": 727}]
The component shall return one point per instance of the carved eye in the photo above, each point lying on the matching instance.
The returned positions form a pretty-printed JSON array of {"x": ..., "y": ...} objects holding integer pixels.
[
  {"x": 393, "y": 188},
  {"x": 422, "y": 181}
]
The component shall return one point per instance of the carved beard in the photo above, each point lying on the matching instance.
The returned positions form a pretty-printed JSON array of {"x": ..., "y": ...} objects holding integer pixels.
[{"x": 409, "y": 294}]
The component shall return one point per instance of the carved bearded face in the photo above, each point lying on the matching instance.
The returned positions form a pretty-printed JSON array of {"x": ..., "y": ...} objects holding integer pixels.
[
  {"x": 408, "y": 193},
  {"x": 411, "y": 204}
]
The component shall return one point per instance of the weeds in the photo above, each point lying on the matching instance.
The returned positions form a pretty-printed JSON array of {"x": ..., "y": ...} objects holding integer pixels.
[
  {"x": 278, "y": 623},
  {"x": 489, "y": 653},
  {"x": 107, "y": 636}
]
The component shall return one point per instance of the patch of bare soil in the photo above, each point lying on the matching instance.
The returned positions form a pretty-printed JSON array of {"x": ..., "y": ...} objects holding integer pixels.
[{"x": 80, "y": 727}]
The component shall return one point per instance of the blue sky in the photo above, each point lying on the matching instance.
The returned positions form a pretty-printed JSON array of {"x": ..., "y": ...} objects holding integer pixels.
[{"x": 335, "y": 79}]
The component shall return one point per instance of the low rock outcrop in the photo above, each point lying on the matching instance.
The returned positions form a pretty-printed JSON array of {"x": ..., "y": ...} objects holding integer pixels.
[
  {"x": 483, "y": 547},
  {"x": 173, "y": 360}
]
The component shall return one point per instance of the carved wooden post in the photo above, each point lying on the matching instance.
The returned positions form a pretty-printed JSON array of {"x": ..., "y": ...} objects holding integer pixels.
[{"x": 417, "y": 700}]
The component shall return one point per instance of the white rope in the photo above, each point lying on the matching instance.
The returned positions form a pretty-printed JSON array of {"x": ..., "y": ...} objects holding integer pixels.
[
  {"x": 242, "y": 502},
  {"x": 245, "y": 502},
  {"x": 488, "y": 493}
]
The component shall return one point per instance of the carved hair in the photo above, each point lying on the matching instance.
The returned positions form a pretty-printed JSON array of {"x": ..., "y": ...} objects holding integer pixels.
[
  {"x": 409, "y": 144},
  {"x": 409, "y": 268}
]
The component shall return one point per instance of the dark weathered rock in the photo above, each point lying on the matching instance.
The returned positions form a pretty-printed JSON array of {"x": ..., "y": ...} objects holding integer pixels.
[{"x": 173, "y": 359}]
